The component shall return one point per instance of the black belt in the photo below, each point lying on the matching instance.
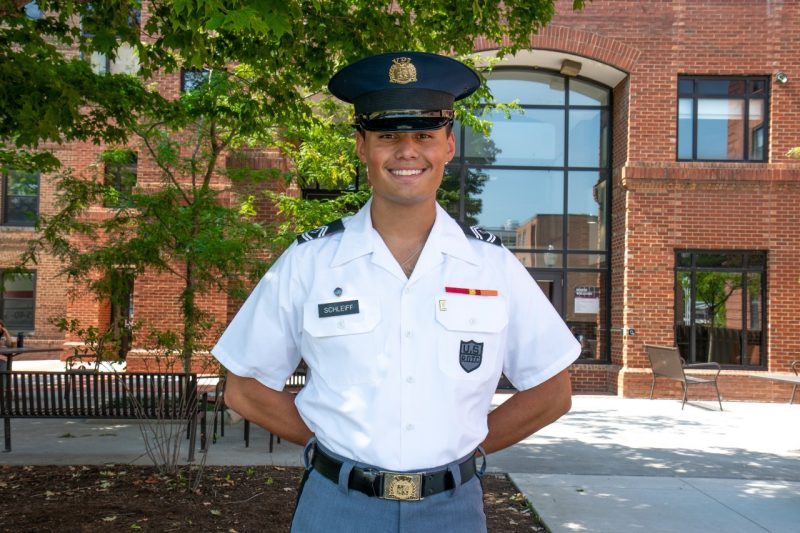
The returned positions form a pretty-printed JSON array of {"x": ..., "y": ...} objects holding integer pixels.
[{"x": 393, "y": 485}]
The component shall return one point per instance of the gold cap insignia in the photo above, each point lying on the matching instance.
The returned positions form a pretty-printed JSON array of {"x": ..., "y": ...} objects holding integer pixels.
[{"x": 402, "y": 71}]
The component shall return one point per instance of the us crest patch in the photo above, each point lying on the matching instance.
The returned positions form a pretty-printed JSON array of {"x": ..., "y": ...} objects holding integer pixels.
[{"x": 470, "y": 355}]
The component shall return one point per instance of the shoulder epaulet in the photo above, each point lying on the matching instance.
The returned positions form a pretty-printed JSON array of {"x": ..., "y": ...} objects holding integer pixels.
[
  {"x": 477, "y": 232},
  {"x": 323, "y": 231}
]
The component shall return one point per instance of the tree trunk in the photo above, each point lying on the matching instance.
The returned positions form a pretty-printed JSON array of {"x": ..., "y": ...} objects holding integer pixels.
[{"x": 189, "y": 318}]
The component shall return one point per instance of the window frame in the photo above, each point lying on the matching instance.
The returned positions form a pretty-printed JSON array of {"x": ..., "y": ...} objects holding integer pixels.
[
  {"x": 746, "y": 97},
  {"x": 121, "y": 311},
  {"x": 748, "y": 266},
  {"x": 3, "y": 301},
  {"x": 112, "y": 174},
  {"x": 462, "y": 164},
  {"x": 6, "y": 207}
]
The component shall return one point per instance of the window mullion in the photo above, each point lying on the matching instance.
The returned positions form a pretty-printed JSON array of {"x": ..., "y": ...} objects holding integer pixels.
[
  {"x": 4, "y": 214},
  {"x": 692, "y": 312},
  {"x": 745, "y": 329},
  {"x": 565, "y": 181},
  {"x": 695, "y": 119},
  {"x": 746, "y": 127}
]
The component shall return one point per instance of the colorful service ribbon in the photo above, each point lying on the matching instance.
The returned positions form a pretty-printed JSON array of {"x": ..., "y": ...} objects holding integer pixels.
[{"x": 474, "y": 292}]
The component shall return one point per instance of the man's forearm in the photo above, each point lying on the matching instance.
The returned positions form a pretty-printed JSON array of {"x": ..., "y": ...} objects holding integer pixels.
[
  {"x": 526, "y": 412},
  {"x": 270, "y": 409}
]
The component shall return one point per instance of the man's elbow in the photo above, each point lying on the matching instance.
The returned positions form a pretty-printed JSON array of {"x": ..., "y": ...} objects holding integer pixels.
[
  {"x": 563, "y": 399},
  {"x": 235, "y": 392},
  {"x": 565, "y": 404},
  {"x": 231, "y": 401}
]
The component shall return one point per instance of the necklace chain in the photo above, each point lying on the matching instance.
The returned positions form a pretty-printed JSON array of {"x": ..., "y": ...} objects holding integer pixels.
[{"x": 404, "y": 262}]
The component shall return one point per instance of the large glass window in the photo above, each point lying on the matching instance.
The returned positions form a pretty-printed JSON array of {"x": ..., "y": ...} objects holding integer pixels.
[
  {"x": 20, "y": 198},
  {"x": 539, "y": 181},
  {"x": 720, "y": 307},
  {"x": 722, "y": 119},
  {"x": 17, "y": 300}
]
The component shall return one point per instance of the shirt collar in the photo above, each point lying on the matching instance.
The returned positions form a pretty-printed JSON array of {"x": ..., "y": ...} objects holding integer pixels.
[
  {"x": 357, "y": 239},
  {"x": 446, "y": 236}
]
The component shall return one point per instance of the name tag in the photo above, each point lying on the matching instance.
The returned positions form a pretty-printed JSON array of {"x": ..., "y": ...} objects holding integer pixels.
[{"x": 349, "y": 307}]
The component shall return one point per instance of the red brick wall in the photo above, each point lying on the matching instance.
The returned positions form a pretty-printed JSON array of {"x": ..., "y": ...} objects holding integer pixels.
[{"x": 660, "y": 205}]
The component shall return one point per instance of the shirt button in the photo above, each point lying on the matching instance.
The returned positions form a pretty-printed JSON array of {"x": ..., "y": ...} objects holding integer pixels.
[
  {"x": 410, "y": 427},
  {"x": 410, "y": 379},
  {"x": 408, "y": 333},
  {"x": 341, "y": 324},
  {"x": 472, "y": 321},
  {"x": 407, "y": 290}
]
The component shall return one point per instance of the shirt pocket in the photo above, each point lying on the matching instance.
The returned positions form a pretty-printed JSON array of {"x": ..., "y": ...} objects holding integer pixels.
[
  {"x": 470, "y": 334},
  {"x": 342, "y": 350}
]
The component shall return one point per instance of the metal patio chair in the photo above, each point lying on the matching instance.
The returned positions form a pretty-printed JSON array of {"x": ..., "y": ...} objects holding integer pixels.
[{"x": 666, "y": 362}]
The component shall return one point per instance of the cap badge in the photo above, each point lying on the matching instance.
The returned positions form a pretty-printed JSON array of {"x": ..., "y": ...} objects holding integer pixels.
[{"x": 402, "y": 71}]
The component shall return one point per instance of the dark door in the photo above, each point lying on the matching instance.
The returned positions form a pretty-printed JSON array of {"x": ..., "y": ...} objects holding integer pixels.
[{"x": 552, "y": 285}]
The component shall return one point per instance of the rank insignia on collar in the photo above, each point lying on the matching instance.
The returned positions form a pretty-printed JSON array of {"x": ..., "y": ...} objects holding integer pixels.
[
  {"x": 477, "y": 232},
  {"x": 470, "y": 355},
  {"x": 323, "y": 231},
  {"x": 402, "y": 71}
]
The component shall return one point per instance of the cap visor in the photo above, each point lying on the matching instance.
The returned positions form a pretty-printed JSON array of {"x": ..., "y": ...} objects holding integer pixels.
[{"x": 404, "y": 124}]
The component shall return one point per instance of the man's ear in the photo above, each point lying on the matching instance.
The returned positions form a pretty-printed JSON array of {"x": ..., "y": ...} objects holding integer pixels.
[
  {"x": 360, "y": 148},
  {"x": 451, "y": 145}
]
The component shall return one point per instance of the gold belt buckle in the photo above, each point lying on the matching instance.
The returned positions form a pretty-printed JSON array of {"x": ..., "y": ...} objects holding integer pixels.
[{"x": 403, "y": 487}]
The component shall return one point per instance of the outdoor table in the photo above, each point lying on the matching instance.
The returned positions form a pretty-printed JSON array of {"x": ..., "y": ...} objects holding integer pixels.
[
  {"x": 782, "y": 378},
  {"x": 10, "y": 353}
]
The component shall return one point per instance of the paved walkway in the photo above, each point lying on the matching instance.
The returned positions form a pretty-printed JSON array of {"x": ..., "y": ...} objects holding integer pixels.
[
  {"x": 618, "y": 465},
  {"x": 611, "y": 465}
]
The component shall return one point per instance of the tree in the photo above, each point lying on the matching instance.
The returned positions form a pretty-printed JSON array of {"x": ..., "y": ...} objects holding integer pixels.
[
  {"x": 292, "y": 46},
  {"x": 184, "y": 227},
  {"x": 268, "y": 63}
]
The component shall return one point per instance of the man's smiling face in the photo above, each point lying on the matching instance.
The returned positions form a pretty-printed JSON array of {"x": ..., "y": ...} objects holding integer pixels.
[{"x": 405, "y": 168}]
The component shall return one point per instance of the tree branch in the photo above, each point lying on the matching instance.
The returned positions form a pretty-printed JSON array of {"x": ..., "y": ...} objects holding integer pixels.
[{"x": 160, "y": 164}]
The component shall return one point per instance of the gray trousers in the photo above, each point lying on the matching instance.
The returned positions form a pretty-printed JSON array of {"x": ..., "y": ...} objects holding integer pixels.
[{"x": 324, "y": 506}]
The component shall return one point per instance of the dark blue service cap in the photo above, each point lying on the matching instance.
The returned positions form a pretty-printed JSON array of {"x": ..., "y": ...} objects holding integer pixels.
[{"x": 404, "y": 91}]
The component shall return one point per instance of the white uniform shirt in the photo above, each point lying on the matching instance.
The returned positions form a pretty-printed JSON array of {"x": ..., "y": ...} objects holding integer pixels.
[{"x": 386, "y": 384}]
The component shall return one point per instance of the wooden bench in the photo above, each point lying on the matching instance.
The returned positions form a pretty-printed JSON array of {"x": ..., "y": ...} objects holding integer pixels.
[{"x": 107, "y": 395}]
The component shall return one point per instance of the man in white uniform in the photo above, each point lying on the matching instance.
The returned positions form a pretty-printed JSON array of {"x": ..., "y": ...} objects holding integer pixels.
[{"x": 406, "y": 320}]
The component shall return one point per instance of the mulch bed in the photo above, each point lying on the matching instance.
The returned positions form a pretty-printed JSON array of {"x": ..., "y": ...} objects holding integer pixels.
[{"x": 230, "y": 499}]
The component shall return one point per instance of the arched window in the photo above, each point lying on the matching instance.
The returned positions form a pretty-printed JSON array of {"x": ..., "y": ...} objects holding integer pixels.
[{"x": 540, "y": 182}]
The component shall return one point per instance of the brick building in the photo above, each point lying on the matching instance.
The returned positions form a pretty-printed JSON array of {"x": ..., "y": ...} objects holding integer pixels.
[{"x": 644, "y": 183}]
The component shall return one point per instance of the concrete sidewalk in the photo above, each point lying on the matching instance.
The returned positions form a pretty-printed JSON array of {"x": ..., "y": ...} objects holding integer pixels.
[
  {"x": 615, "y": 465},
  {"x": 610, "y": 465}
]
